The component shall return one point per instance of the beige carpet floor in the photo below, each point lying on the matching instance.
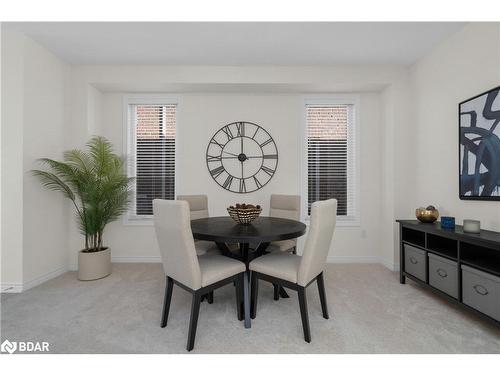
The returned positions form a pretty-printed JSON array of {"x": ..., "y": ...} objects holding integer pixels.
[{"x": 370, "y": 312}]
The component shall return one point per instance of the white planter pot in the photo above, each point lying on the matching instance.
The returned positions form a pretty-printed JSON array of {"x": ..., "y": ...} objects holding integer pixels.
[{"x": 93, "y": 266}]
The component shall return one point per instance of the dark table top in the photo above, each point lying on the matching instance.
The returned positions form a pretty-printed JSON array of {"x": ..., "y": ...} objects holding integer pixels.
[{"x": 262, "y": 229}]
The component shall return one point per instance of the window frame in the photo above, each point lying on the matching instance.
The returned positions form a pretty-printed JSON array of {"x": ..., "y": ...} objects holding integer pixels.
[
  {"x": 129, "y": 146},
  {"x": 353, "y": 156}
]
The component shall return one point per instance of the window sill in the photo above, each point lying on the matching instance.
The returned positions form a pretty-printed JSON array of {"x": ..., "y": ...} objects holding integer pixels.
[
  {"x": 138, "y": 221},
  {"x": 344, "y": 223}
]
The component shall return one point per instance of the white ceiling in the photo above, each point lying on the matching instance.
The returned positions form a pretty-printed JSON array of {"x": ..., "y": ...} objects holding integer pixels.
[{"x": 216, "y": 43}]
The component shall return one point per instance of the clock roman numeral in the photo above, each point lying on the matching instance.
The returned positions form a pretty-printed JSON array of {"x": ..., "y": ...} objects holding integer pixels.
[
  {"x": 211, "y": 158},
  {"x": 217, "y": 171},
  {"x": 227, "y": 130},
  {"x": 227, "y": 183},
  {"x": 271, "y": 156},
  {"x": 240, "y": 127},
  {"x": 243, "y": 187},
  {"x": 266, "y": 142},
  {"x": 269, "y": 171},
  {"x": 214, "y": 142},
  {"x": 254, "y": 134},
  {"x": 257, "y": 182}
]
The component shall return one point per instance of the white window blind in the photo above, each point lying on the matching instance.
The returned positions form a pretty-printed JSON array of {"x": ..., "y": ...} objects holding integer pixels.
[
  {"x": 331, "y": 147},
  {"x": 152, "y": 154}
]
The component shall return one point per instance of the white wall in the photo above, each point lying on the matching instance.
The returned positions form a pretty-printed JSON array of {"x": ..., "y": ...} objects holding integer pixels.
[
  {"x": 45, "y": 213},
  {"x": 201, "y": 115},
  {"x": 12, "y": 160},
  {"x": 397, "y": 167},
  {"x": 465, "y": 65},
  {"x": 35, "y": 240},
  {"x": 213, "y": 96},
  {"x": 72, "y": 103},
  {"x": 409, "y": 139}
]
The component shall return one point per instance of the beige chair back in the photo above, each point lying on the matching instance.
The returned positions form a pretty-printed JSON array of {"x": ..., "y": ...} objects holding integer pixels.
[
  {"x": 175, "y": 239},
  {"x": 285, "y": 206},
  {"x": 319, "y": 238},
  {"x": 198, "y": 205}
]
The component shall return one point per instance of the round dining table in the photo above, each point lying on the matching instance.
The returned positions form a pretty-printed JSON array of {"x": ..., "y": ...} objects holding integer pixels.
[{"x": 252, "y": 239}]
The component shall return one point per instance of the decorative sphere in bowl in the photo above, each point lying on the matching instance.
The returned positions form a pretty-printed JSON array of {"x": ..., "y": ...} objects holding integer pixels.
[
  {"x": 244, "y": 213},
  {"x": 427, "y": 215}
]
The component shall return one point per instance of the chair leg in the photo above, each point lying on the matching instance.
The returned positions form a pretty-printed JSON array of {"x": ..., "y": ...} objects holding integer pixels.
[
  {"x": 210, "y": 297},
  {"x": 246, "y": 300},
  {"x": 322, "y": 295},
  {"x": 303, "y": 313},
  {"x": 254, "y": 293},
  {"x": 193, "y": 322},
  {"x": 239, "y": 293},
  {"x": 166, "y": 301},
  {"x": 276, "y": 292}
]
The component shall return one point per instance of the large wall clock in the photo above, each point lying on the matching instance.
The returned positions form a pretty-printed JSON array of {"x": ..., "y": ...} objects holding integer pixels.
[{"x": 242, "y": 157}]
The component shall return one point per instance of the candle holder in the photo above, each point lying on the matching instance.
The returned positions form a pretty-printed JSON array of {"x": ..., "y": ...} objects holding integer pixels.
[
  {"x": 447, "y": 222},
  {"x": 472, "y": 226}
]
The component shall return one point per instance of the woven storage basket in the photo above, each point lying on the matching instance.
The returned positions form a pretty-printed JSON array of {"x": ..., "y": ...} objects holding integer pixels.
[{"x": 244, "y": 215}]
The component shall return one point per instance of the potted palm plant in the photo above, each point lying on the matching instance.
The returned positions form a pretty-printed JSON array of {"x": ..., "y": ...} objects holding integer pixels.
[{"x": 96, "y": 183}]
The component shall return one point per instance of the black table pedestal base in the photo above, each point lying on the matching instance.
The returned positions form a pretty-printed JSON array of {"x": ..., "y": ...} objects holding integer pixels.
[
  {"x": 246, "y": 256},
  {"x": 283, "y": 293}
]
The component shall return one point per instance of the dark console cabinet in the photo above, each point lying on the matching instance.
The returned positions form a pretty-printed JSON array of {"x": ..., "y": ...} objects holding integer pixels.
[{"x": 463, "y": 267}]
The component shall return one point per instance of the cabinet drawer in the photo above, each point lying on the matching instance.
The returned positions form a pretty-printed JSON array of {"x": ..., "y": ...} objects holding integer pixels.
[
  {"x": 415, "y": 262},
  {"x": 481, "y": 291},
  {"x": 443, "y": 274}
]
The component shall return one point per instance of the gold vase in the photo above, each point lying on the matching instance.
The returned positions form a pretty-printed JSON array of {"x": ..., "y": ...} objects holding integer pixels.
[{"x": 426, "y": 216}]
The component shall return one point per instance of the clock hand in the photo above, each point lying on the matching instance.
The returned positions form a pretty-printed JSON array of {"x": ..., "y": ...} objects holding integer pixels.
[{"x": 230, "y": 153}]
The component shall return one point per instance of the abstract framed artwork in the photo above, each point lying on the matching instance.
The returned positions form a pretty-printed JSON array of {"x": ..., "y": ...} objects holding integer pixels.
[{"x": 479, "y": 148}]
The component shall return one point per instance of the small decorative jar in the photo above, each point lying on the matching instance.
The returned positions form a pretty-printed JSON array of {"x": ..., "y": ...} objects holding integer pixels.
[
  {"x": 472, "y": 226},
  {"x": 447, "y": 222}
]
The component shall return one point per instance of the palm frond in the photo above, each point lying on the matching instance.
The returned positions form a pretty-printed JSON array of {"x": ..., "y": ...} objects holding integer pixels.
[
  {"x": 79, "y": 160},
  {"x": 101, "y": 152},
  {"x": 98, "y": 179},
  {"x": 54, "y": 183}
]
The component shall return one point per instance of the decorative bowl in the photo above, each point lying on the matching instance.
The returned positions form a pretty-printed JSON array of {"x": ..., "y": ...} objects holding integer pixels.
[
  {"x": 427, "y": 215},
  {"x": 244, "y": 213}
]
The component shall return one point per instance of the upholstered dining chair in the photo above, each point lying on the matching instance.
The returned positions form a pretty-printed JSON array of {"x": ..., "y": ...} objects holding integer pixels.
[
  {"x": 298, "y": 272},
  {"x": 199, "y": 275},
  {"x": 198, "y": 208},
  {"x": 286, "y": 207}
]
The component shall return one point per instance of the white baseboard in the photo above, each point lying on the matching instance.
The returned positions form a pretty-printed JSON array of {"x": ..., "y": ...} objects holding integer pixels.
[
  {"x": 11, "y": 287},
  {"x": 41, "y": 279},
  {"x": 21, "y": 287},
  {"x": 363, "y": 260},
  {"x": 126, "y": 259},
  {"x": 391, "y": 265},
  {"x": 353, "y": 259},
  {"x": 136, "y": 259},
  {"x": 330, "y": 259}
]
